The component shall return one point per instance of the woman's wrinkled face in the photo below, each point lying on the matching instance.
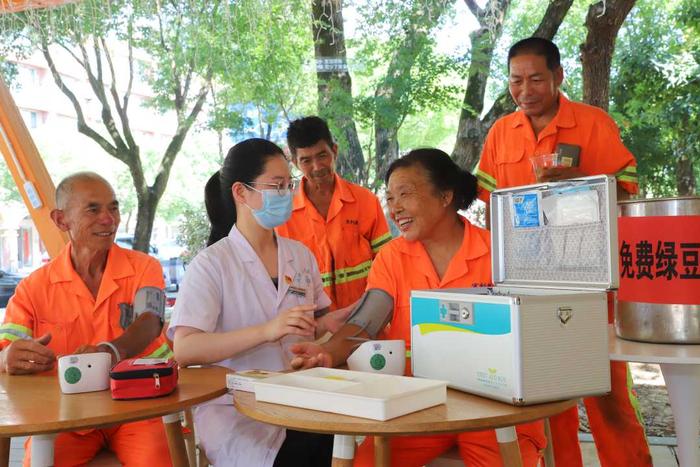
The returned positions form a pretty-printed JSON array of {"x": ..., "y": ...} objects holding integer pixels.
[{"x": 415, "y": 205}]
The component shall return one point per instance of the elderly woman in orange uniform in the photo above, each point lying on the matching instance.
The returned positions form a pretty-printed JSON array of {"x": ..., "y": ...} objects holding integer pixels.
[{"x": 438, "y": 248}]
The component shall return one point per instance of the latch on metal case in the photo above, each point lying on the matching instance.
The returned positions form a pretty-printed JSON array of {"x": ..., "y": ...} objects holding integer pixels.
[{"x": 565, "y": 313}]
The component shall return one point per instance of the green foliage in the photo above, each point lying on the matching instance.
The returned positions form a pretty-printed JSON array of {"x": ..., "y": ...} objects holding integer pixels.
[
  {"x": 656, "y": 92},
  {"x": 399, "y": 74},
  {"x": 431, "y": 128},
  {"x": 8, "y": 189},
  {"x": 265, "y": 67},
  {"x": 8, "y": 71},
  {"x": 193, "y": 231}
]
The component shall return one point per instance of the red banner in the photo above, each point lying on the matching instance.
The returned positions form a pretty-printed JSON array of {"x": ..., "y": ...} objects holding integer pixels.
[{"x": 659, "y": 259}]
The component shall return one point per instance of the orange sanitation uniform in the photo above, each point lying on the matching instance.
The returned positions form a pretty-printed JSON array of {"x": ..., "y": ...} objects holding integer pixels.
[
  {"x": 505, "y": 162},
  {"x": 505, "y": 159},
  {"x": 403, "y": 266},
  {"x": 54, "y": 299},
  {"x": 345, "y": 242}
]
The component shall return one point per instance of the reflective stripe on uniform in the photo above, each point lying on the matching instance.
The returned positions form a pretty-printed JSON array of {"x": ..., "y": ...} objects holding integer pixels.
[
  {"x": 485, "y": 180},
  {"x": 379, "y": 242},
  {"x": 628, "y": 174},
  {"x": 345, "y": 275},
  {"x": 13, "y": 332},
  {"x": 161, "y": 352},
  {"x": 327, "y": 279},
  {"x": 352, "y": 273}
]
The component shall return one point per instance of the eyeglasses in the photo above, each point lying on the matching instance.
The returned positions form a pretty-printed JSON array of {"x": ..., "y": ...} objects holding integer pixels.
[{"x": 282, "y": 188}]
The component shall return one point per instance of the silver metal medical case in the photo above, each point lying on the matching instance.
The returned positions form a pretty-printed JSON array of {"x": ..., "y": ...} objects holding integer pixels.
[{"x": 541, "y": 333}]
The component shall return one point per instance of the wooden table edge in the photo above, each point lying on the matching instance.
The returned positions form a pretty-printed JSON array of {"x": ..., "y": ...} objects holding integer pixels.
[
  {"x": 115, "y": 419},
  {"x": 494, "y": 422}
]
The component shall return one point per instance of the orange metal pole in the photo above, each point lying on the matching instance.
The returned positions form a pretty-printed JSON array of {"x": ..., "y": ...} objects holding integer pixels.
[{"x": 29, "y": 172}]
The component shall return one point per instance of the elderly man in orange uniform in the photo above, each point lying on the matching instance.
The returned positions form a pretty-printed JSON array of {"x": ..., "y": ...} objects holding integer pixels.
[
  {"x": 75, "y": 304},
  {"x": 342, "y": 223},
  {"x": 547, "y": 122}
]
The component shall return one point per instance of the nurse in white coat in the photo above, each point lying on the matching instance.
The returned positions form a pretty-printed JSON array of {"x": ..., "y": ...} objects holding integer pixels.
[{"x": 245, "y": 300}]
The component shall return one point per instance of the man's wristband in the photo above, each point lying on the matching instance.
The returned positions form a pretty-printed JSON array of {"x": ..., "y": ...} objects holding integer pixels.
[{"x": 113, "y": 348}]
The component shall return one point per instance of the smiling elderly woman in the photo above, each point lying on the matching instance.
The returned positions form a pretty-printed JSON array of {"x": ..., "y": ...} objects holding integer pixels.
[{"x": 438, "y": 248}]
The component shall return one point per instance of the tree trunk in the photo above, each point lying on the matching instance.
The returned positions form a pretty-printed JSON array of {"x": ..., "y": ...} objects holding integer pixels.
[
  {"x": 602, "y": 22},
  {"x": 472, "y": 128},
  {"x": 147, "y": 203},
  {"x": 685, "y": 177},
  {"x": 335, "y": 101}
]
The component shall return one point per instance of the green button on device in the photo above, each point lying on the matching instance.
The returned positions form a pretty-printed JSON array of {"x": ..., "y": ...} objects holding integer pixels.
[
  {"x": 377, "y": 362},
  {"x": 72, "y": 375}
]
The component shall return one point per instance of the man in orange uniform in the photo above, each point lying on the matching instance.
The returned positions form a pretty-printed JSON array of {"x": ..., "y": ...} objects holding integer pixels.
[
  {"x": 340, "y": 222},
  {"x": 72, "y": 305},
  {"x": 548, "y": 122}
]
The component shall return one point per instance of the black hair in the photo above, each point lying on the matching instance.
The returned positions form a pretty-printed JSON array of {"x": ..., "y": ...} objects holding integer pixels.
[
  {"x": 537, "y": 46},
  {"x": 443, "y": 172},
  {"x": 244, "y": 163},
  {"x": 307, "y": 131}
]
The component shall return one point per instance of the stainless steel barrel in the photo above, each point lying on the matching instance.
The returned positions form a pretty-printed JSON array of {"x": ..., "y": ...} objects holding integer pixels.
[{"x": 666, "y": 322}]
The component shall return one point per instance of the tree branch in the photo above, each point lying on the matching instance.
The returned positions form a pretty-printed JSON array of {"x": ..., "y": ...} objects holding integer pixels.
[
  {"x": 98, "y": 59},
  {"x": 121, "y": 112},
  {"x": 176, "y": 143},
  {"x": 71, "y": 53},
  {"x": 83, "y": 127},
  {"x": 474, "y": 8},
  {"x": 127, "y": 94},
  {"x": 552, "y": 19},
  {"x": 99, "y": 91}
]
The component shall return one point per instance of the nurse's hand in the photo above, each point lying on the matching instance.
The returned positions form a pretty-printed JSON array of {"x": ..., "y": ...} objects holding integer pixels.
[
  {"x": 296, "y": 321},
  {"x": 309, "y": 355}
]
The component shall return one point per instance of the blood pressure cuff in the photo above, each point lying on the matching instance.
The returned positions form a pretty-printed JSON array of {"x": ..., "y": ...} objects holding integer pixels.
[
  {"x": 373, "y": 312},
  {"x": 151, "y": 299}
]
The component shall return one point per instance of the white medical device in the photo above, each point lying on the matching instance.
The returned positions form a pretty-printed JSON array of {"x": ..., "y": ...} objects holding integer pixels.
[
  {"x": 85, "y": 372},
  {"x": 382, "y": 356}
]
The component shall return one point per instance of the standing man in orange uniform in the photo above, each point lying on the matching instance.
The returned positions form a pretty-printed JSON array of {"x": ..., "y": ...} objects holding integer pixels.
[
  {"x": 342, "y": 223},
  {"x": 548, "y": 122},
  {"x": 73, "y": 305}
]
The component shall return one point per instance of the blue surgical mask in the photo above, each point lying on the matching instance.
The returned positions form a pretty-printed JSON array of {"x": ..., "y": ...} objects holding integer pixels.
[{"x": 276, "y": 208}]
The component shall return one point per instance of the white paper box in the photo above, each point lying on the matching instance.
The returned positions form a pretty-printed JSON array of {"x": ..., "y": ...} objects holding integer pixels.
[{"x": 354, "y": 393}]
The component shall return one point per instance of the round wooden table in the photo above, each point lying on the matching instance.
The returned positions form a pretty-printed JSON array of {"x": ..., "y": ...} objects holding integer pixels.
[
  {"x": 462, "y": 412},
  {"x": 35, "y": 405},
  {"x": 680, "y": 365}
]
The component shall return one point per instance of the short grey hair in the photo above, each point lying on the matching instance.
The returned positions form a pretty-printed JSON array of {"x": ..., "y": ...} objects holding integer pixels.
[{"x": 64, "y": 190}]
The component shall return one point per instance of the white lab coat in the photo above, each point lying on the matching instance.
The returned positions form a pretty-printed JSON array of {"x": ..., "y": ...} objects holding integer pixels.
[{"x": 226, "y": 287}]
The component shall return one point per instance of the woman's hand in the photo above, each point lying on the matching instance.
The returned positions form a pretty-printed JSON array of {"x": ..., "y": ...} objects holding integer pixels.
[
  {"x": 309, "y": 355},
  {"x": 296, "y": 321},
  {"x": 334, "y": 320}
]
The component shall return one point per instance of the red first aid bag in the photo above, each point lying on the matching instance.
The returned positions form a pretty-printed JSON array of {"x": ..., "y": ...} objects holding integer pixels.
[{"x": 141, "y": 378}]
